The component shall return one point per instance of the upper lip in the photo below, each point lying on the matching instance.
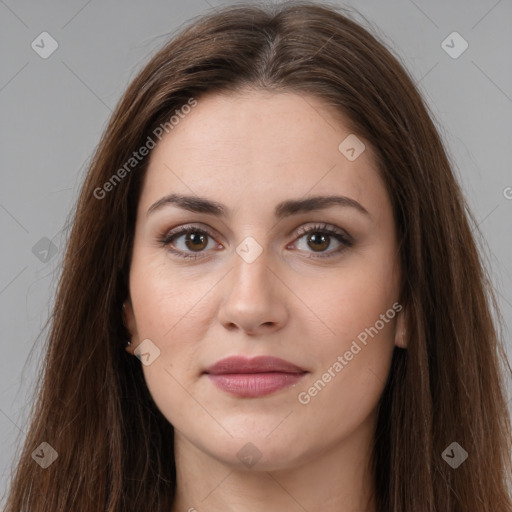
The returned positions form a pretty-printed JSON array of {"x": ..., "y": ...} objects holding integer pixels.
[{"x": 260, "y": 364}]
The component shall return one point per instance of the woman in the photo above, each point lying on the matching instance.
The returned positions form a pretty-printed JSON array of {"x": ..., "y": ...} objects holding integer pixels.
[{"x": 272, "y": 223}]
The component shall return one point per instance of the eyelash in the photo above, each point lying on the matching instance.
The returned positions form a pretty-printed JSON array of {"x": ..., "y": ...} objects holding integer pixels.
[{"x": 166, "y": 238}]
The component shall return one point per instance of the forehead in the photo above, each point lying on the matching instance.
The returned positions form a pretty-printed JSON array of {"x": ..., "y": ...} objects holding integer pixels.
[{"x": 259, "y": 147}]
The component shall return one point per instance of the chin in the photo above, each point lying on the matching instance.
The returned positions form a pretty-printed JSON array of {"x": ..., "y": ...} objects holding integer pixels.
[{"x": 257, "y": 450}]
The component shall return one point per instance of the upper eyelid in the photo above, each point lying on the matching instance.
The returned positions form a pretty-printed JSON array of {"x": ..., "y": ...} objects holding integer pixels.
[
  {"x": 178, "y": 230},
  {"x": 299, "y": 232}
]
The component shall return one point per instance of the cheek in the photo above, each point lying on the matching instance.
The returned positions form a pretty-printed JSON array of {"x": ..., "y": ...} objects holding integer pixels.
[
  {"x": 352, "y": 367},
  {"x": 351, "y": 301},
  {"x": 358, "y": 309},
  {"x": 165, "y": 295},
  {"x": 174, "y": 310}
]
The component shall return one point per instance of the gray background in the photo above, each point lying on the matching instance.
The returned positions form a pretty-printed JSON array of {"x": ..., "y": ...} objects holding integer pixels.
[{"x": 53, "y": 111}]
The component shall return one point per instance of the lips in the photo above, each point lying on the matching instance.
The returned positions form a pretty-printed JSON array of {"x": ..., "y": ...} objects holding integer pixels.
[
  {"x": 254, "y": 377},
  {"x": 261, "y": 364}
]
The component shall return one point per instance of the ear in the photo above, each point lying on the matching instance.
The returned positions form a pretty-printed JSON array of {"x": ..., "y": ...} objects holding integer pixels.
[
  {"x": 401, "y": 331},
  {"x": 130, "y": 324}
]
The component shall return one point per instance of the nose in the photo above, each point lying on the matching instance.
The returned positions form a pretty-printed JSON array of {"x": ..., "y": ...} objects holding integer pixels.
[{"x": 255, "y": 298}]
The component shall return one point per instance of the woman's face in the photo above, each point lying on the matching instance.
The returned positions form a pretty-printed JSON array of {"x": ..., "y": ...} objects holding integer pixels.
[{"x": 247, "y": 281}]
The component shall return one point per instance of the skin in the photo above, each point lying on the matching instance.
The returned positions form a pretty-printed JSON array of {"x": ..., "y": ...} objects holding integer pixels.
[{"x": 251, "y": 151}]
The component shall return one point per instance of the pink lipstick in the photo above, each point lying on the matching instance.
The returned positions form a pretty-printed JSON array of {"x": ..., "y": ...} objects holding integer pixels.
[{"x": 253, "y": 377}]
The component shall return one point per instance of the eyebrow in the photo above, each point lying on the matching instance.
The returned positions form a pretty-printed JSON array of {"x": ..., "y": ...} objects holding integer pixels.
[{"x": 285, "y": 209}]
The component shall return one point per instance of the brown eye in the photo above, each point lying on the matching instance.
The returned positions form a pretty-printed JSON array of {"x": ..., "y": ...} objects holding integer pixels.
[
  {"x": 319, "y": 239},
  {"x": 195, "y": 241}
]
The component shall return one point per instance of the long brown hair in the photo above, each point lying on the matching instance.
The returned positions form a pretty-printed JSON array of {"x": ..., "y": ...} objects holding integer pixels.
[{"x": 115, "y": 448}]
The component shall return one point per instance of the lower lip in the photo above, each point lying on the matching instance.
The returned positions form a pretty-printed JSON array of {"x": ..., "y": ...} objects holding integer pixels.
[{"x": 254, "y": 384}]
